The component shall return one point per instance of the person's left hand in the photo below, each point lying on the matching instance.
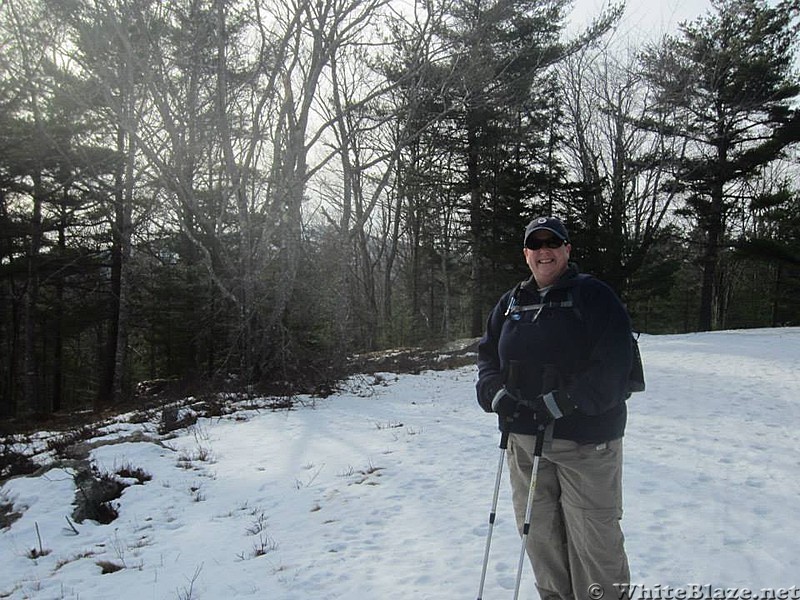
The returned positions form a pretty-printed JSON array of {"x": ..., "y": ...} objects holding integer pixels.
[{"x": 552, "y": 405}]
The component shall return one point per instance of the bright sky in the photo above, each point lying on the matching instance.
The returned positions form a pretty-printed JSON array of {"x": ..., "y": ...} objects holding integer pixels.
[{"x": 644, "y": 19}]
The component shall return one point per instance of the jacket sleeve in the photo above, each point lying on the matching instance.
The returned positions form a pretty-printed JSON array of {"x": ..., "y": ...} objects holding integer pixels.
[
  {"x": 490, "y": 369},
  {"x": 601, "y": 383}
]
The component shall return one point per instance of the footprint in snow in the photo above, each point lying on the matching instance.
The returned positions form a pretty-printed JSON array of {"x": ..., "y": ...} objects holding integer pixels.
[{"x": 506, "y": 576}]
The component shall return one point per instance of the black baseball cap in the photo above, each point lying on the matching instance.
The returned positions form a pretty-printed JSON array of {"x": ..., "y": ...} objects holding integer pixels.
[{"x": 551, "y": 224}]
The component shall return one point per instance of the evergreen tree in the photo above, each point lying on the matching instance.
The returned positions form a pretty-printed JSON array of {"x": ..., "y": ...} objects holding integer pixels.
[
  {"x": 726, "y": 81},
  {"x": 500, "y": 98},
  {"x": 772, "y": 250}
]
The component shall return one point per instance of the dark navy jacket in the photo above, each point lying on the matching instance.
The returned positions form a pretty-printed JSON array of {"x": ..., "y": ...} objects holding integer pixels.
[{"x": 588, "y": 340}]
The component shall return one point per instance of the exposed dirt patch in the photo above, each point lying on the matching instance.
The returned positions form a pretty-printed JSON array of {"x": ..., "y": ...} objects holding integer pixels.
[{"x": 417, "y": 359}]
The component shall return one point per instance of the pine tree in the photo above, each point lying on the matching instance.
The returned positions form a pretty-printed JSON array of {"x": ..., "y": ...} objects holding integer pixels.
[
  {"x": 501, "y": 102},
  {"x": 726, "y": 81}
]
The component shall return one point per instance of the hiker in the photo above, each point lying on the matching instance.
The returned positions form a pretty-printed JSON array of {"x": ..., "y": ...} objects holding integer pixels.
[{"x": 575, "y": 326}]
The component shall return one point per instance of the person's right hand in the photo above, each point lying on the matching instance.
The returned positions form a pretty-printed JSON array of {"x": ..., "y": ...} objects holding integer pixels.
[{"x": 505, "y": 403}]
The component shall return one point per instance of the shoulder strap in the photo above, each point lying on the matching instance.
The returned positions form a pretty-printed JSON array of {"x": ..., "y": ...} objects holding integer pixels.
[
  {"x": 573, "y": 292},
  {"x": 513, "y": 298}
]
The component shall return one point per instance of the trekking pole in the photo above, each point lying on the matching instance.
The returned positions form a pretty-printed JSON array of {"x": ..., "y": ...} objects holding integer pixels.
[
  {"x": 511, "y": 383},
  {"x": 549, "y": 381}
]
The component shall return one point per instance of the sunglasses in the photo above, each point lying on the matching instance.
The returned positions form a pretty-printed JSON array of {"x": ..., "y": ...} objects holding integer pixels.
[{"x": 551, "y": 242}]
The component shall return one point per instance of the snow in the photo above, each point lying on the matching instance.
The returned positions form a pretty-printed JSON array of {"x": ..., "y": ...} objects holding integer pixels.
[{"x": 383, "y": 491}]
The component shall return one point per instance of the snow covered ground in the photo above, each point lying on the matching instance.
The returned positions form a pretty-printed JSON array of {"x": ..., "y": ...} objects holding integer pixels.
[{"x": 384, "y": 491}]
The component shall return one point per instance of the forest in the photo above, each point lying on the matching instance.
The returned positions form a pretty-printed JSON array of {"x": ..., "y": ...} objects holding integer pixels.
[{"x": 243, "y": 194}]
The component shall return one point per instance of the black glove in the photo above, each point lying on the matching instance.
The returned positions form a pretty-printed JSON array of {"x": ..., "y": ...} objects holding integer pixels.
[
  {"x": 552, "y": 405},
  {"x": 505, "y": 403}
]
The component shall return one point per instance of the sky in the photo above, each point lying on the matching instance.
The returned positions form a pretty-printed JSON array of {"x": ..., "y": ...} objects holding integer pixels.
[
  {"x": 646, "y": 18},
  {"x": 383, "y": 491}
]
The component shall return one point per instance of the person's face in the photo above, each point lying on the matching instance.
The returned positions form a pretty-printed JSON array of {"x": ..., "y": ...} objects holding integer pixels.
[{"x": 547, "y": 264}]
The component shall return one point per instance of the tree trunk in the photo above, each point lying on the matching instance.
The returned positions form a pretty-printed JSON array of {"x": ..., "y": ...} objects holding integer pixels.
[
  {"x": 58, "y": 328},
  {"x": 120, "y": 380},
  {"x": 710, "y": 264},
  {"x": 476, "y": 224},
  {"x": 113, "y": 359},
  {"x": 33, "y": 402},
  {"x": 776, "y": 295}
]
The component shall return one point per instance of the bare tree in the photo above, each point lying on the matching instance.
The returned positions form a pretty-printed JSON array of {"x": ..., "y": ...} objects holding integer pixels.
[
  {"x": 621, "y": 208},
  {"x": 376, "y": 123}
]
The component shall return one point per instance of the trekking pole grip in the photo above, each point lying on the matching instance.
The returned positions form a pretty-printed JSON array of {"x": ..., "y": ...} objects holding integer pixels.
[
  {"x": 512, "y": 384},
  {"x": 549, "y": 383}
]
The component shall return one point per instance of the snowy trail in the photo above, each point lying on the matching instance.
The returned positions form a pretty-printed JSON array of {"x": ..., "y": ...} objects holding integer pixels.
[{"x": 384, "y": 491}]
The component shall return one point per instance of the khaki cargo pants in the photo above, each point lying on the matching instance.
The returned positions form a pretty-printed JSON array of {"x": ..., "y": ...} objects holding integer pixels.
[{"x": 575, "y": 541}]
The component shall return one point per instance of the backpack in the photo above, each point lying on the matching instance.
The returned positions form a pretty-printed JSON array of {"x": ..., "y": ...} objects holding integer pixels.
[
  {"x": 636, "y": 381},
  {"x": 636, "y": 376}
]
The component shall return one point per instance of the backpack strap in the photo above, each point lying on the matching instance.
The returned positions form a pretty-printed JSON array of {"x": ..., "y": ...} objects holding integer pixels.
[
  {"x": 512, "y": 302},
  {"x": 516, "y": 308},
  {"x": 573, "y": 292}
]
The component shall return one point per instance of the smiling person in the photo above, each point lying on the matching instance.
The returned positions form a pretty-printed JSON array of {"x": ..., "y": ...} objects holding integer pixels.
[{"x": 570, "y": 336}]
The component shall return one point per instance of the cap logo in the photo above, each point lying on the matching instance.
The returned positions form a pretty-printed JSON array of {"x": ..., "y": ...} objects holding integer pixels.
[{"x": 542, "y": 220}]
